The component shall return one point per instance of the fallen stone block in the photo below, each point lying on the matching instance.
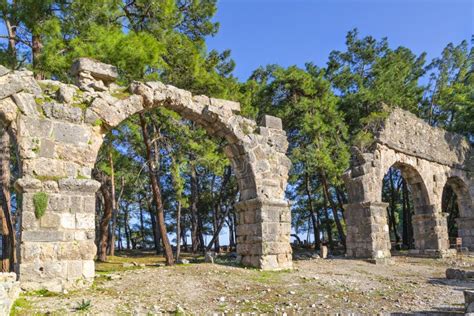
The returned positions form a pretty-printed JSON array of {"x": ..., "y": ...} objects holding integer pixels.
[{"x": 458, "y": 274}]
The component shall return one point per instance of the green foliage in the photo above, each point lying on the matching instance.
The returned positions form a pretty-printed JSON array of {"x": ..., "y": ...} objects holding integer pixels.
[
  {"x": 369, "y": 74},
  {"x": 21, "y": 306},
  {"x": 84, "y": 305},
  {"x": 40, "y": 202},
  {"x": 42, "y": 293},
  {"x": 449, "y": 102}
]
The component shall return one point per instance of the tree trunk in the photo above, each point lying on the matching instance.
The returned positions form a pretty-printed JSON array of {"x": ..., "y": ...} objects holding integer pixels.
[
  {"x": 116, "y": 201},
  {"x": 127, "y": 228},
  {"x": 328, "y": 196},
  {"x": 37, "y": 46},
  {"x": 230, "y": 224},
  {"x": 11, "y": 31},
  {"x": 312, "y": 211},
  {"x": 178, "y": 229},
  {"x": 142, "y": 225},
  {"x": 105, "y": 222},
  {"x": 218, "y": 230},
  {"x": 328, "y": 224},
  {"x": 215, "y": 216},
  {"x": 8, "y": 231},
  {"x": 407, "y": 225},
  {"x": 393, "y": 207},
  {"x": 154, "y": 227},
  {"x": 194, "y": 211},
  {"x": 156, "y": 194}
]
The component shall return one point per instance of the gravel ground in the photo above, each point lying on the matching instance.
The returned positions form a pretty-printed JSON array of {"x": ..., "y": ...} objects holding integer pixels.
[{"x": 318, "y": 286}]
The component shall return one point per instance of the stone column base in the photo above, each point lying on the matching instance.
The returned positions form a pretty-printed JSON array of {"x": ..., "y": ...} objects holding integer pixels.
[
  {"x": 430, "y": 232},
  {"x": 263, "y": 234},
  {"x": 367, "y": 230},
  {"x": 57, "y": 250},
  {"x": 466, "y": 231}
]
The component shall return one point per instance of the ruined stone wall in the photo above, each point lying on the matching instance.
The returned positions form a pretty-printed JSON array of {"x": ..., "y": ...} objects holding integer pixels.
[
  {"x": 59, "y": 129},
  {"x": 406, "y": 133},
  {"x": 429, "y": 159}
]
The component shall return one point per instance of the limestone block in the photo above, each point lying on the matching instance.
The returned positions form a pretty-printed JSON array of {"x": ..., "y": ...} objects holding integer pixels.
[
  {"x": 89, "y": 204},
  {"x": 4, "y": 71},
  {"x": 225, "y": 104},
  {"x": 271, "y": 122},
  {"x": 59, "y": 203},
  {"x": 68, "y": 221},
  {"x": 71, "y": 133},
  {"x": 26, "y": 103},
  {"x": 145, "y": 91},
  {"x": 46, "y": 148},
  {"x": 63, "y": 112},
  {"x": 74, "y": 269},
  {"x": 90, "y": 117},
  {"x": 34, "y": 127},
  {"x": 85, "y": 221},
  {"x": 87, "y": 249},
  {"x": 44, "y": 167},
  {"x": 77, "y": 205},
  {"x": 8, "y": 110},
  {"x": 469, "y": 301},
  {"x": 29, "y": 221},
  {"x": 9, "y": 86},
  {"x": 28, "y": 184},
  {"x": 66, "y": 93},
  {"x": 88, "y": 269},
  {"x": 97, "y": 69},
  {"x": 79, "y": 185},
  {"x": 47, "y": 236},
  {"x": 50, "y": 220}
]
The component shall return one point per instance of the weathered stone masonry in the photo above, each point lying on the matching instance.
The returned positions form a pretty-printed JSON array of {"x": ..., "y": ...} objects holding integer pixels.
[
  {"x": 59, "y": 129},
  {"x": 429, "y": 158}
]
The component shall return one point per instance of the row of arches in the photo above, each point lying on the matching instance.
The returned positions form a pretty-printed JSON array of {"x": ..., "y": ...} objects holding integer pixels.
[
  {"x": 405, "y": 191},
  {"x": 436, "y": 207}
]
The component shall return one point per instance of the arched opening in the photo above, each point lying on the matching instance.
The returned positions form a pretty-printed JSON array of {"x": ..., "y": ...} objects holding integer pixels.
[
  {"x": 457, "y": 203},
  {"x": 195, "y": 190},
  {"x": 405, "y": 193}
]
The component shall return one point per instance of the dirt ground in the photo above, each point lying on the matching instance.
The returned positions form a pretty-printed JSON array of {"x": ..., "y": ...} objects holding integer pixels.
[{"x": 315, "y": 286}]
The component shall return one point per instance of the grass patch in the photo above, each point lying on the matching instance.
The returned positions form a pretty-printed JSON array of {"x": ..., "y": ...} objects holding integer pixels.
[
  {"x": 121, "y": 94},
  {"x": 268, "y": 276},
  {"x": 42, "y": 293},
  {"x": 83, "y": 306},
  {"x": 21, "y": 307},
  {"x": 40, "y": 202}
]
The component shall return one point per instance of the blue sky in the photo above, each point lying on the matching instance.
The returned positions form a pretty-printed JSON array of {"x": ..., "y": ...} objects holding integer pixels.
[{"x": 288, "y": 32}]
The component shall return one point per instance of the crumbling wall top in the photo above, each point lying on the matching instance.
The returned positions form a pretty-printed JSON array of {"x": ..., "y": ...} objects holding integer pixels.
[{"x": 405, "y": 132}]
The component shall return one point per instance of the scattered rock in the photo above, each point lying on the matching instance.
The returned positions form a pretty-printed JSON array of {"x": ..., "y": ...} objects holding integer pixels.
[
  {"x": 459, "y": 274},
  {"x": 210, "y": 256}
]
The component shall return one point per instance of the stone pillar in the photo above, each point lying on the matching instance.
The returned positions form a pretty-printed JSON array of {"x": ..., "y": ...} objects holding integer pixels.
[
  {"x": 466, "y": 231},
  {"x": 430, "y": 232},
  {"x": 57, "y": 248},
  {"x": 263, "y": 233},
  {"x": 367, "y": 230}
]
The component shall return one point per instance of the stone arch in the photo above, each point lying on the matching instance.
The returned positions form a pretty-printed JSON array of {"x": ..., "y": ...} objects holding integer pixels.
[
  {"x": 60, "y": 128},
  {"x": 426, "y": 156},
  {"x": 465, "y": 221}
]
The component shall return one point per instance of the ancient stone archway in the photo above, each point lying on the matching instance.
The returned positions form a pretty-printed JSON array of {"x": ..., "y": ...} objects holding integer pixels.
[
  {"x": 465, "y": 221},
  {"x": 427, "y": 158},
  {"x": 59, "y": 130}
]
